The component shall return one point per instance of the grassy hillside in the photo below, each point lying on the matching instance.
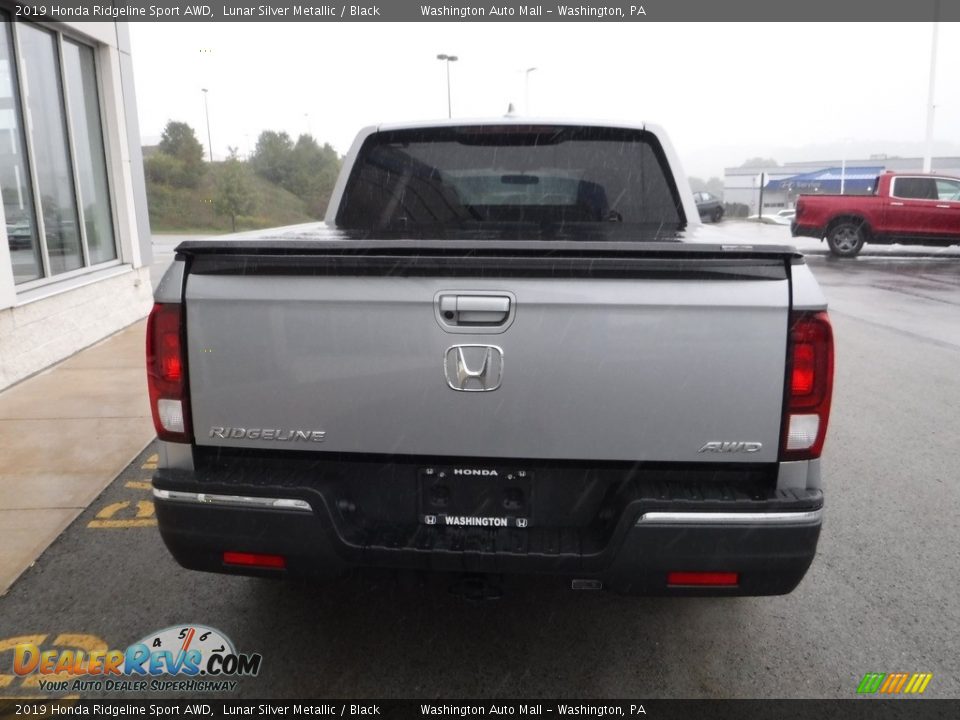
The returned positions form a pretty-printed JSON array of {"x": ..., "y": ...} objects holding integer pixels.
[{"x": 191, "y": 209}]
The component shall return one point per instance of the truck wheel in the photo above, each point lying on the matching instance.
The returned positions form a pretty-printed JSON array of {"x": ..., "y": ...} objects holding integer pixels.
[
  {"x": 717, "y": 215},
  {"x": 845, "y": 239}
]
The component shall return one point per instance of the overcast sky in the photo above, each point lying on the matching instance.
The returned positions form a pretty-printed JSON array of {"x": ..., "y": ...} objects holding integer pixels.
[{"x": 724, "y": 92}]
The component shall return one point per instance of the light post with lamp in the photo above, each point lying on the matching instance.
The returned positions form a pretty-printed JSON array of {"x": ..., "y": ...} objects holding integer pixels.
[
  {"x": 928, "y": 144},
  {"x": 448, "y": 59},
  {"x": 526, "y": 90},
  {"x": 206, "y": 110}
]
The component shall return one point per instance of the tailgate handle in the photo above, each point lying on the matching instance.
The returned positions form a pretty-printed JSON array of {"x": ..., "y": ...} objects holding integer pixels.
[{"x": 475, "y": 310}]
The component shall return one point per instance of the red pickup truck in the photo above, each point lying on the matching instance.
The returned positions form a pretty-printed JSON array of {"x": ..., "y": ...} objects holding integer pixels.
[{"x": 909, "y": 208}]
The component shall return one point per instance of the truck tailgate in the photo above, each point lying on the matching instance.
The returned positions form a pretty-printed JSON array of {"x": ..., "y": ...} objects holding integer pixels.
[{"x": 639, "y": 356}]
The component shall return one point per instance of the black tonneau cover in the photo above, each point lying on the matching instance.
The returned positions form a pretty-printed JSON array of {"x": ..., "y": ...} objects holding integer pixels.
[{"x": 299, "y": 256}]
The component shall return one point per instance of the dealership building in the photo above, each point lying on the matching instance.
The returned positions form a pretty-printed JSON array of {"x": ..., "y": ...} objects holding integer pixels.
[
  {"x": 782, "y": 184},
  {"x": 74, "y": 235}
]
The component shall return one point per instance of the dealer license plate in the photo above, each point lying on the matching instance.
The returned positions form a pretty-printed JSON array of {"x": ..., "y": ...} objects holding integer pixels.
[{"x": 488, "y": 498}]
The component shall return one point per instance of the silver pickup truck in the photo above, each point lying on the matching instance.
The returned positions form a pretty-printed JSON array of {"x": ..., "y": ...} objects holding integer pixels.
[{"x": 508, "y": 350}]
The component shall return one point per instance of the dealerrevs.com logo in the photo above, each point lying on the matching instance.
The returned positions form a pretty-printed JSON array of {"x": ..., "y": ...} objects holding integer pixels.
[{"x": 180, "y": 658}]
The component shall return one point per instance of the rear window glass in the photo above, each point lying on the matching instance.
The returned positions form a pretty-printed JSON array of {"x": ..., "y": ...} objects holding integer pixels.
[{"x": 476, "y": 176}]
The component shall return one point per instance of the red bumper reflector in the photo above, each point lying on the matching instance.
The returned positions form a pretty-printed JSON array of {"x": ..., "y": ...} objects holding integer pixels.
[
  {"x": 272, "y": 562},
  {"x": 703, "y": 578}
]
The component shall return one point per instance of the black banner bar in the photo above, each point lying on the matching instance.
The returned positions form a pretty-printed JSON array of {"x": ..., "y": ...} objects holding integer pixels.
[
  {"x": 857, "y": 709},
  {"x": 633, "y": 11}
]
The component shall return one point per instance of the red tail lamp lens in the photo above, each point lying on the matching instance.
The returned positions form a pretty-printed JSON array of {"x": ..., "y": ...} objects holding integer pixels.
[
  {"x": 810, "y": 368},
  {"x": 804, "y": 369},
  {"x": 255, "y": 560},
  {"x": 166, "y": 376},
  {"x": 704, "y": 579}
]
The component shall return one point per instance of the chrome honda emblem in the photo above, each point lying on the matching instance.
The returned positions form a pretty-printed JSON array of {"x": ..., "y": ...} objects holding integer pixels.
[{"x": 473, "y": 368}]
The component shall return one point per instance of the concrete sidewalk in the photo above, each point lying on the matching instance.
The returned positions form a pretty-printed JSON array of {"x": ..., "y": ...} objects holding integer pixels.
[{"x": 65, "y": 434}]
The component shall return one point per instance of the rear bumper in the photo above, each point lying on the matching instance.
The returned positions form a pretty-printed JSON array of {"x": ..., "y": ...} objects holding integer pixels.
[
  {"x": 768, "y": 541},
  {"x": 797, "y": 230}
]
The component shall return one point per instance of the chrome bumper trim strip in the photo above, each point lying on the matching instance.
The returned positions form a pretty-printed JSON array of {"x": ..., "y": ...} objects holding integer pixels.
[
  {"x": 233, "y": 500},
  {"x": 804, "y": 517}
]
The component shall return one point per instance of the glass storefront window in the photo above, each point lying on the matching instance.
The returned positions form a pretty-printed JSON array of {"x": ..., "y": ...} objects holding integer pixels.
[
  {"x": 81, "y": 83},
  {"x": 53, "y": 162},
  {"x": 51, "y": 159},
  {"x": 21, "y": 225}
]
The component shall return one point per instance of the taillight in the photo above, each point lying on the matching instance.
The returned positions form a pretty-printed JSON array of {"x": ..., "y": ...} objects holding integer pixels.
[
  {"x": 704, "y": 579},
  {"x": 255, "y": 560},
  {"x": 166, "y": 373},
  {"x": 809, "y": 386}
]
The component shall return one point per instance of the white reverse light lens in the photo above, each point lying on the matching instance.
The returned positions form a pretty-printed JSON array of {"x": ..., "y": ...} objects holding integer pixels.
[
  {"x": 171, "y": 414},
  {"x": 802, "y": 432}
]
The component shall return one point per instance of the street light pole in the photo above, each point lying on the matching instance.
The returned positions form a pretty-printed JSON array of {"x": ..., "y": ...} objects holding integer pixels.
[
  {"x": 448, "y": 59},
  {"x": 843, "y": 166},
  {"x": 928, "y": 150},
  {"x": 206, "y": 110},
  {"x": 526, "y": 91}
]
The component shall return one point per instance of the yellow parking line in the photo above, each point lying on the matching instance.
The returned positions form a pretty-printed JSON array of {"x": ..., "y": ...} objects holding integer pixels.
[
  {"x": 139, "y": 485},
  {"x": 143, "y": 518},
  {"x": 101, "y": 524},
  {"x": 113, "y": 509},
  {"x": 30, "y": 683},
  {"x": 12, "y": 642}
]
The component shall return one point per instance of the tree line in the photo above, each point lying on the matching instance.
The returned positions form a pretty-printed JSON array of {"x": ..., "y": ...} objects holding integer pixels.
[{"x": 304, "y": 168}]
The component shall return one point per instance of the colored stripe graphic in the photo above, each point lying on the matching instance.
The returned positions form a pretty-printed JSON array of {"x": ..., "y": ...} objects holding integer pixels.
[
  {"x": 871, "y": 682},
  {"x": 918, "y": 683},
  {"x": 894, "y": 683}
]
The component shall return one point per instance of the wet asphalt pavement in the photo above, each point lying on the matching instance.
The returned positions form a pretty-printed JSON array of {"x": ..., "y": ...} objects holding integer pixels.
[{"x": 881, "y": 595}]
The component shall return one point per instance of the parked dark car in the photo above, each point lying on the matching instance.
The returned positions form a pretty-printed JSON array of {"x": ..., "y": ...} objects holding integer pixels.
[
  {"x": 19, "y": 235},
  {"x": 709, "y": 206}
]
